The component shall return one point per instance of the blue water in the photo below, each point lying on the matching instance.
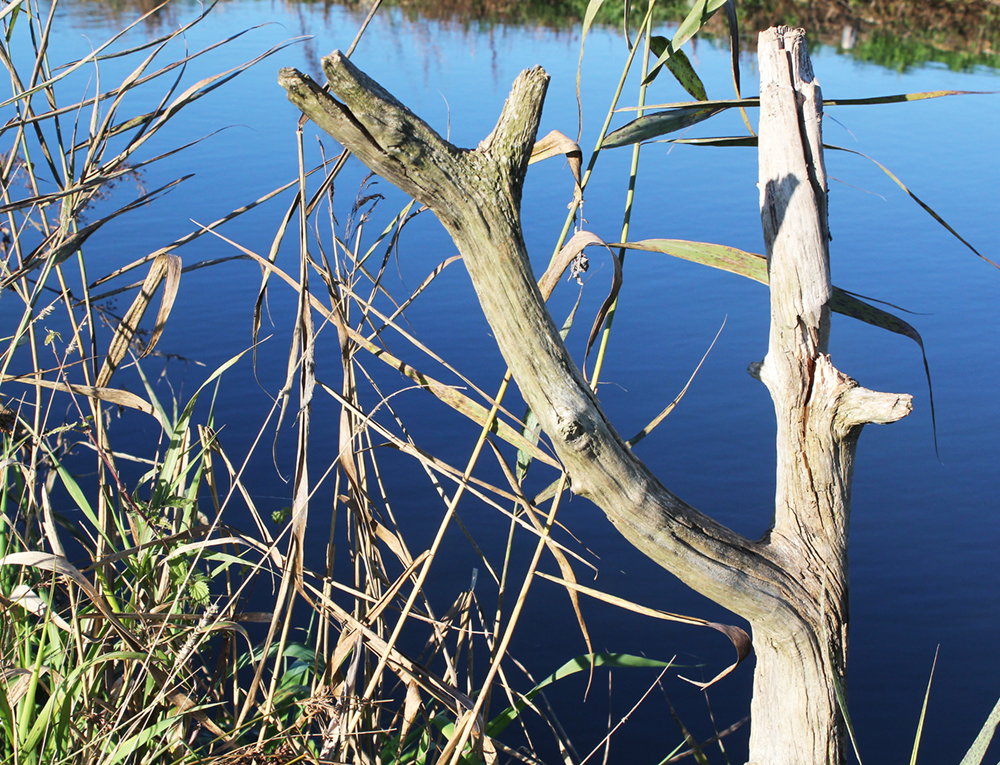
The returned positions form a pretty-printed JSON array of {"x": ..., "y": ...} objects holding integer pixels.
[{"x": 925, "y": 533}]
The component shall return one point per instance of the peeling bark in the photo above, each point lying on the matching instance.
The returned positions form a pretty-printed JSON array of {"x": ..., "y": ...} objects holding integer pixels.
[{"x": 792, "y": 584}]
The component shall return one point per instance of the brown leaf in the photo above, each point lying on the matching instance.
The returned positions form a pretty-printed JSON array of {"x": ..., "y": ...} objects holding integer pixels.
[
  {"x": 554, "y": 144},
  {"x": 166, "y": 268}
]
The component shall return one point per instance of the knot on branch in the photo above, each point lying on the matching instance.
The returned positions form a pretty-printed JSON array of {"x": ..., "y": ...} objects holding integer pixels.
[{"x": 578, "y": 435}]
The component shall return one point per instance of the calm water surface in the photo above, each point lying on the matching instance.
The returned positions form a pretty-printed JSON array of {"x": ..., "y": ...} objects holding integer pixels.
[{"x": 925, "y": 533}]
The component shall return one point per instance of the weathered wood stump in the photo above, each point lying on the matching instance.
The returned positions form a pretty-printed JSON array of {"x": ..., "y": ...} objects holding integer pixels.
[{"x": 791, "y": 585}]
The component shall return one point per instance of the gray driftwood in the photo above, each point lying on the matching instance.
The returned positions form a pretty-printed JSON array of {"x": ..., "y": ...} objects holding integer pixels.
[{"x": 791, "y": 585}]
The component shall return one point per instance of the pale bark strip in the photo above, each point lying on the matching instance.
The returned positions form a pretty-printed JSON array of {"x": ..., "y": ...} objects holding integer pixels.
[{"x": 819, "y": 414}]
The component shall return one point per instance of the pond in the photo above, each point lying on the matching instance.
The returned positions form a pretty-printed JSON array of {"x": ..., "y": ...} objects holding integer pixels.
[{"x": 925, "y": 531}]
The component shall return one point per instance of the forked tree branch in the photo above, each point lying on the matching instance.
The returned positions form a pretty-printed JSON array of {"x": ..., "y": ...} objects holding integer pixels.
[{"x": 476, "y": 195}]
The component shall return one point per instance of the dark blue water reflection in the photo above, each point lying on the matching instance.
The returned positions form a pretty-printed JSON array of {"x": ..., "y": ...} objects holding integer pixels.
[{"x": 925, "y": 534}]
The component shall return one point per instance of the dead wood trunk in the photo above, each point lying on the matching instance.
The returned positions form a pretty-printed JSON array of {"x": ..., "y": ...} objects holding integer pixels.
[{"x": 792, "y": 584}]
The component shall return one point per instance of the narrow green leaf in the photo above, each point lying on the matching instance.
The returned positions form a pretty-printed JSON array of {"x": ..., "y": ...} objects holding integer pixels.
[
  {"x": 927, "y": 208},
  {"x": 588, "y": 19},
  {"x": 904, "y": 97},
  {"x": 657, "y": 124},
  {"x": 127, "y": 748},
  {"x": 719, "y": 142},
  {"x": 174, "y": 452},
  {"x": 679, "y": 66},
  {"x": 848, "y": 304},
  {"x": 734, "y": 103},
  {"x": 670, "y": 407},
  {"x": 748, "y": 264},
  {"x": 700, "y": 12},
  {"x": 754, "y": 266},
  {"x": 573, "y": 666},
  {"x": 734, "y": 42}
]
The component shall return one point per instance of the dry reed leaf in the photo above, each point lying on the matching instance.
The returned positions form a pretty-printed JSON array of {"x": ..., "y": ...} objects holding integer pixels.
[
  {"x": 449, "y": 754},
  {"x": 472, "y": 484},
  {"x": 416, "y": 293},
  {"x": 22, "y": 595},
  {"x": 17, "y": 689},
  {"x": 307, "y": 384},
  {"x": 554, "y": 144},
  {"x": 349, "y": 637},
  {"x": 740, "y": 640},
  {"x": 165, "y": 269},
  {"x": 49, "y": 523},
  {"x": 69, "y": 69},
  {"x": 670, "y": 407},
  {"x": 446, "y": 393},
  {"x": 411, "y": 709},
  {"x": 393, "y": 542},
  {"x": 58, "y": 246},
  {"x": 49, "y": 562},
  {"x": 452, "y": 698},
  {"x": 570, "y": 252}
]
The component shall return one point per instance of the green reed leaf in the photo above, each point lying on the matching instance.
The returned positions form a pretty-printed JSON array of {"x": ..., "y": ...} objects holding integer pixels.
[{"x": 659, "y": 123}]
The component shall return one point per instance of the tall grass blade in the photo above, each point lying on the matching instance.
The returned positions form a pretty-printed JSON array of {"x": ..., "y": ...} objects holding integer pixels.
[
  {"x": 48, "y": 83},
  {"x": 670, "y": 407},
  {"x": 923, "y": 712}
]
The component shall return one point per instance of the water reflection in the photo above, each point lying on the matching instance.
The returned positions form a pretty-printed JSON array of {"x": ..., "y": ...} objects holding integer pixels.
[{"x": 895, "y": 35}]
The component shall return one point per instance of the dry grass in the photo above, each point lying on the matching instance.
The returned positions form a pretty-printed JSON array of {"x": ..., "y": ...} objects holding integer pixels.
[{"x": 128, "y": 631}]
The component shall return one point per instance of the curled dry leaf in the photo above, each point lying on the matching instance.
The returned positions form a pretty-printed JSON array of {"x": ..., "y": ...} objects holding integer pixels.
[
  {"x": 165, "y": 268},
  {"x": 556, "y": 143},
  {"x": 22, "y": 595}
]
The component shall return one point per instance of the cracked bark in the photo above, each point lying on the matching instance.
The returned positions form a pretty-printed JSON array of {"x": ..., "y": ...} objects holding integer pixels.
[{"x": 792, "y": 584}]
